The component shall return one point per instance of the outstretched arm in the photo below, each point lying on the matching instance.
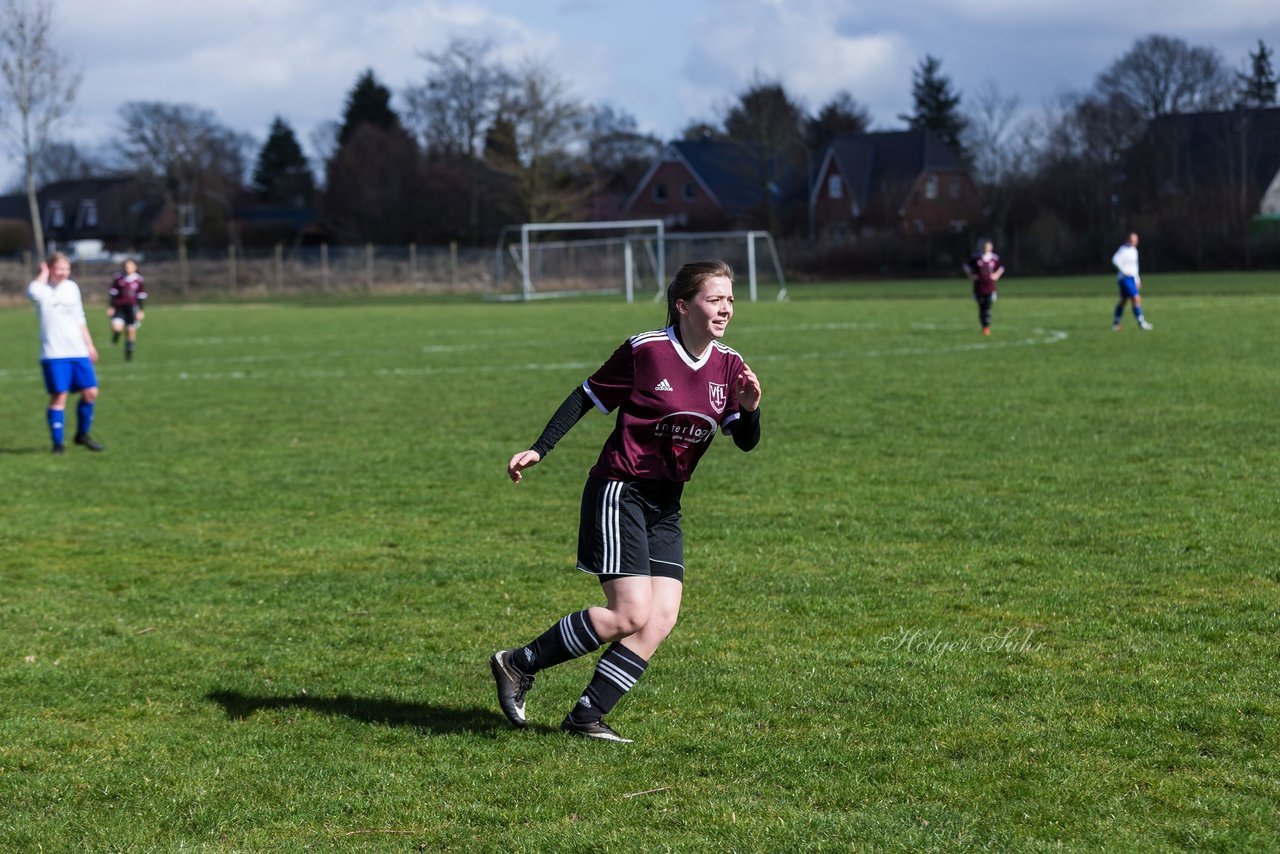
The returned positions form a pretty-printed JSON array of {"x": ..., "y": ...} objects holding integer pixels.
[{"x": 575, "y": 406}]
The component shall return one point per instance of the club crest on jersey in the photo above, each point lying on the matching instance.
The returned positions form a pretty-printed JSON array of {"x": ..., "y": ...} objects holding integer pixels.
[{"x": 719, "y": 396}]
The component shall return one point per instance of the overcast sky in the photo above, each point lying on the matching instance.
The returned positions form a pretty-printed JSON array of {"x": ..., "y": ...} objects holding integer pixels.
[{"x": 665, "y": 61}]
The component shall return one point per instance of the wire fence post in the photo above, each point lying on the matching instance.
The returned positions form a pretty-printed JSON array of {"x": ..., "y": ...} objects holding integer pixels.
[
  {"x": 279, "y": 266},
  {"x": 231, "y": 266},
  {"x": 368, "y": 266},
  {"x": 453, "y": 263},
  {"x": 184, "y": 274},
  {"x": 413, "y": 264},
  {"x": 324, "y": 266}
]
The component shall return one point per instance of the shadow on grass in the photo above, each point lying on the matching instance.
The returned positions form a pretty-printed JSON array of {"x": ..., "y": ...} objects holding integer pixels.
[
  {"x": 440, "y": 720},
  {"x": 24, "y": 450}
]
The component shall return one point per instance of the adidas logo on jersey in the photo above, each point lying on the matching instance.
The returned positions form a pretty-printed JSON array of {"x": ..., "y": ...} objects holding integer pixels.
[{"x": 663, "y": 386}]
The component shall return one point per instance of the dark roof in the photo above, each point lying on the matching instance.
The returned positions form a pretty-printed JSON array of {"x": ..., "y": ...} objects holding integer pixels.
[
  {"x": 294, "y": 217},
  {"x": 126, "y": 206},
  {"x": 734, "y": 173},
  {"x": 870, "y": 161},
  {"x": 1206, "y": 148},
  {"x": 15, "y": 207},
  {"x": 731, "y": 171}
]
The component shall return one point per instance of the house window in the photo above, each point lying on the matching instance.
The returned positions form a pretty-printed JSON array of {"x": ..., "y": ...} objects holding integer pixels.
[
  {"x": 660, "y": 193},
  {"x": 954, "y": 187},
  {"x": 835, "y": 187},
  {"x": 931, "y": 186},
  {"x": 187, "y": 219},
  {"x": 88, "y": 216},
  {"x": 54, "y": 215},
  {"x": 690, "y": 192}
]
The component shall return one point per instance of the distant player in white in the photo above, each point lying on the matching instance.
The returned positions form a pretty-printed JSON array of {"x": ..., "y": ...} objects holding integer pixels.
[
  {"x": 67, "y": 353},
  {"x": 1126, "y": 263}
]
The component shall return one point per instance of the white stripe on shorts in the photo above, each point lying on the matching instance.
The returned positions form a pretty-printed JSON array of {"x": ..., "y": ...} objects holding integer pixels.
[{"x": 611, "y": 528}]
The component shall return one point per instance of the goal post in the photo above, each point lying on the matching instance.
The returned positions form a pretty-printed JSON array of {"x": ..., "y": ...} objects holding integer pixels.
[
  {"x": 741, "y": 249},
  {"x": 528, "y": 266}
]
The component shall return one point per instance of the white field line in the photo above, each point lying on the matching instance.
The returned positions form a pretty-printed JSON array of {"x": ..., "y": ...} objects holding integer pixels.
[{"x": 1035, "y": 337}]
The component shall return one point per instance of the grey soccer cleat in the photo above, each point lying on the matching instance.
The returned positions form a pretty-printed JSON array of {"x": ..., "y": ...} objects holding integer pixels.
[
  {"x": 512, "y": 686},
  {"x": 592, "y": 729}
]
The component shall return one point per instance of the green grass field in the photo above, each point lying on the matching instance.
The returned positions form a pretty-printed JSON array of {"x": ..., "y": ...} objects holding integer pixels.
[{"x": 1018, "y": 594}]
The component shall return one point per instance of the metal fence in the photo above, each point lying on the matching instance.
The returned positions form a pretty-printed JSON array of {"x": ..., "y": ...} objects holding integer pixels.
[{"x": 280, "y": 270}]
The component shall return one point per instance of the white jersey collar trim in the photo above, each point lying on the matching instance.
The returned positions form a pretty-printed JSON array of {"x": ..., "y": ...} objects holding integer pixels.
[{"x": 696, "y": 364}]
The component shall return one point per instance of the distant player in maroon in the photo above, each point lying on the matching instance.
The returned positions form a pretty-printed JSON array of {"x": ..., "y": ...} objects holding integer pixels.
[
  {"x": 984, "y": 270},
  {"x": 128, "y": 296},
  {"x": 673, "y": 390}
]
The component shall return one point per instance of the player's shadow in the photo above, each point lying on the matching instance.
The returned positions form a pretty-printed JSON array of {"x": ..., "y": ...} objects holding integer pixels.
[
  {"x": 427, "y": 717},
  {"x": 23, "y": 451}
]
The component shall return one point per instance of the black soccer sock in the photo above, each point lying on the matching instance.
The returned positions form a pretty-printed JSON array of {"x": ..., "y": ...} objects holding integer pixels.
[
  {"x": 572, "y": 637},
  {"x": 128, "y": 350},
  {"x": 617, "y": 672}
]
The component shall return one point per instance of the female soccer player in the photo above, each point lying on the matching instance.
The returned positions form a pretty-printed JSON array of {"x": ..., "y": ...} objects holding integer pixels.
[
  {"x": 673, "y": 388},
  {"x": 128, "y": 298},
  {"x": 67, "y": 353},
  {"x": 1125, "y": 260},
  {"x": 984, "y": 270}
]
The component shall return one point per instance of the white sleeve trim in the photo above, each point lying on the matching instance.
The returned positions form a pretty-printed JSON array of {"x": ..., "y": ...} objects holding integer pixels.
[{"x": 586, "y": 386}]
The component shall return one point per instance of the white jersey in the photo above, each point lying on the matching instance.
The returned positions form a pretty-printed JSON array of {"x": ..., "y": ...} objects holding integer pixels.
[
  {"x": 1126, "y": 260},
  {"x": 61, "y": 313}
]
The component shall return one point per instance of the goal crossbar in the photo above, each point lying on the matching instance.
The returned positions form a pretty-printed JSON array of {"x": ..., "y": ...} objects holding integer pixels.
[
  {"x": 528, "y": 228},
  {"x": 653, "y": 238}
]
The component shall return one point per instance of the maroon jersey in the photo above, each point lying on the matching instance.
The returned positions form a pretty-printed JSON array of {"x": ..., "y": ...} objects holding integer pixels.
[
  {"x": 127, "y": 289},
  {"x": 982, "y": 269},
  {"x": 669, "y": 405}
]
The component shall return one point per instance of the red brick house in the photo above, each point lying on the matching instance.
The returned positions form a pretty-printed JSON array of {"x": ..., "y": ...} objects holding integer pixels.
[
  {"x": 893, "y": 180},
  {"x": 706, "y": 185}
]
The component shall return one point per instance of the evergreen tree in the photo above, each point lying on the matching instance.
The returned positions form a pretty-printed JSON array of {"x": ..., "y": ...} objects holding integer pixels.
[
  {"x": 500, "y": 143},
  {"x": 1258, "y": 87},
  {"x": 282, "y": 174},
  {"x": 936, "y": 103},
  {"x": 369, "y": 102},
  {"x": 841, "y": 115}
]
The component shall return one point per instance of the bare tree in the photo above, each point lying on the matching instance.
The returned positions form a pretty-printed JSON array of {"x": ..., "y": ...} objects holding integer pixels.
[
  {"x": 324, "y": 141},
  {"x": 995, "y": 135},
  {"x": 186, "y": 148},
  {"x": 63, "y": 161},
  {"x": 1161, "y": 76},
  {"x": 547, "y": 122},
  {"x": 39, "y": 88},
  {"x": 454, "y": 107}
]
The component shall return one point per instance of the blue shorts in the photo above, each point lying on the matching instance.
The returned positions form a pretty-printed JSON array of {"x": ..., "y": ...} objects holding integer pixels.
[
  {"x": 63, "y": 375},
  {"x": 1128, "y": 287}
]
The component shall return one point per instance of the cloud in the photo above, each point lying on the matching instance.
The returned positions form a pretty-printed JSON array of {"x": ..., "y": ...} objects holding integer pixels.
[
  {"x": 248, "y": 60},
  {"x": 809, "y": 45}
]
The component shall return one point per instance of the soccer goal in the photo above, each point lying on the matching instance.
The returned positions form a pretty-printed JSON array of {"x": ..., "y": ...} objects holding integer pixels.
[
  {"x": 540, "y": 261},
  {"x": 545, "y": 260}
]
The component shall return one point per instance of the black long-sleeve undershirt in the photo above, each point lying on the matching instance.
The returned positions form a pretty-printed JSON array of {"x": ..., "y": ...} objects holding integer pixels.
[
  {"x": 745, "y": 430},
  {"x": 575, "y": 406}
]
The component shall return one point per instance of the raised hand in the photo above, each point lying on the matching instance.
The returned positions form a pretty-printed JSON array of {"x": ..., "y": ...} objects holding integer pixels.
[{"x": 748, "y": 388}]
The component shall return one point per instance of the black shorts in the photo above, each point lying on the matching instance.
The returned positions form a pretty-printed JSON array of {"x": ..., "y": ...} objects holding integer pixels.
[
  {"x": 631, "y": 527},
  {"x": 127, "y": 313}
]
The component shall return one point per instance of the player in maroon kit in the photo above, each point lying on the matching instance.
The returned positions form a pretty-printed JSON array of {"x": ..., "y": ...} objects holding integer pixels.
[
  {"x": 673, "y": 389},
  {"x": 128, "y": 296},
  {"x": 984, "y": 270}
]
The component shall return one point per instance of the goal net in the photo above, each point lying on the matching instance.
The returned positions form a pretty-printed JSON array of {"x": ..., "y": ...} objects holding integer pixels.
[{"x": 634, "y": 258}]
